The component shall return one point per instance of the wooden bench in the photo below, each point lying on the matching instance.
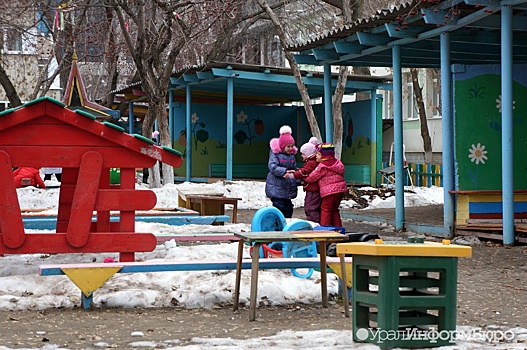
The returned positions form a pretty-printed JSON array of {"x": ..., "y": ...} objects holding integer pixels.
[
  {"x": 247, "y": 171},
  {"x": 91, "y": 276},
  {"x": 183, "y": 193},
  {"x": 357, "y": 174}
]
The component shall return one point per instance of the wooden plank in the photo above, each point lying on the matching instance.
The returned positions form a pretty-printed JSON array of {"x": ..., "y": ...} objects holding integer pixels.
[
  {"x": 98, "y": 242},
  {"x": 67, "y": 188},
  {"x": 84, "y": 199},
  {"x": 204, "y": 237},
  {"x": 482, "y": 191},
  {"x": 10, "y": 217},
  {"x": 494, "y": 207},
  {"x": 281, "y": 236},
  {"x": 190, "y": 265},
  {"x": 125, "y": 200},
  {"x": 21, "y": 116},
  {"x": 489, "y": 221},
  {"x": 69, "y": 157},
  {"x": 54, "y": 136},
  {"x": 487, "y": 235},
  {"x": 495, "y": 216}
]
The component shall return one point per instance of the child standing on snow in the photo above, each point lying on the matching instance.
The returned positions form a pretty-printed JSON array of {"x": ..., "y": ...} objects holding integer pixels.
[
  {"x": 312, "y": 199},
  {"x": 280, "y": 189},
  {"x": 330, "y": 176}
]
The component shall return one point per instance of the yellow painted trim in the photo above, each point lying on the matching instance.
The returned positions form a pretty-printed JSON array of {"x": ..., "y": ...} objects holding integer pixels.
[
  {"x": 482, "y": 198},
  {"x": 336, "y": 269},
  {"x": 77, "y": 84},
  {"x": 521, "y": 197},
  {"x": 462, "y": 214},
  {"x": 90, "y": 279},
  {"x": 373, "y": 163},
  {"x": 96, "y": 110},
  {"x": 427, "y": 249}
]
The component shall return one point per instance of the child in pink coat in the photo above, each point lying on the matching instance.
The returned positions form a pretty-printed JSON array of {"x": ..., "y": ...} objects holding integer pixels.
[{"x": 330, "y": 176}]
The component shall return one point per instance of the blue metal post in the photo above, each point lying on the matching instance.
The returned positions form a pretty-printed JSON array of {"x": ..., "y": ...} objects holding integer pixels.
[
  {"x": 447, "y": 135},
  {"x": 131, "y": 118},
  {"x": 507, "y": 139},
  {"x": 398, "y": 136},
  {"x": 188, "y": 127},
  {"x": 230, "y": 121},
  {"x": 171, "y": 117},
  {"x": 328, "y": 112},
  {"x": 374, "y": 143}
]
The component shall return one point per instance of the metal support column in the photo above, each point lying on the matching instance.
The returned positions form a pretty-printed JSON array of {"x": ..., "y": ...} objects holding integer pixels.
[
  {"x": 328, "y": 111},
  {"x": 398, "y": 137},
  {"x": 230, "y": 121},
  {"x": 376, "y": 141},
  {"x": 447, "y": 135},
  {"x": 171, "y": 117},
  {"x": 507, "y": 137},
  {"x": 131, "y": 118},
  {"x": 188, "y": 120}
]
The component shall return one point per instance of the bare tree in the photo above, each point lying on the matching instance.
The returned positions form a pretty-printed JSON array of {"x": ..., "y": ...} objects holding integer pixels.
[
  {"x": 294, "y": 66},
  {"x": 425, "y": 134},
  {"x": 161, "y": 36}
]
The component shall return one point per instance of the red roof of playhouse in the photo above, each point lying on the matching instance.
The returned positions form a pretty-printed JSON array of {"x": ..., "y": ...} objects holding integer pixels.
[{"x": 44, "y": 133}]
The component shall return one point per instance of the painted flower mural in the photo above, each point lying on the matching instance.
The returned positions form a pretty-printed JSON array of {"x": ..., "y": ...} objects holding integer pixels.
[
  {"x": 498, "y": 103},
  {"x": 241, "y": 136},
  {"x": 200, "y": 135},
  {"x": 477, "y": 154}
]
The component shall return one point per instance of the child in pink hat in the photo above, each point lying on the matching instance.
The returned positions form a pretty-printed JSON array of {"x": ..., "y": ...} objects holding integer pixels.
[{"x": 279, "y": 188}]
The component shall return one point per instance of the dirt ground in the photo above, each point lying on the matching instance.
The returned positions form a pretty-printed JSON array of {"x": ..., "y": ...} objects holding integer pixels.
[{"x": 492, "y": 290}]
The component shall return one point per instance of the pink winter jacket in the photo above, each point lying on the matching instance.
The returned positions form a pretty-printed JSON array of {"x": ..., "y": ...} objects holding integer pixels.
[{"x": 330, "y": 177}]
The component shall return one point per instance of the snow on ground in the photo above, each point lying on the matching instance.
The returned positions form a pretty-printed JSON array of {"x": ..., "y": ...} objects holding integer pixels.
[{"x": 21, "y": 287}]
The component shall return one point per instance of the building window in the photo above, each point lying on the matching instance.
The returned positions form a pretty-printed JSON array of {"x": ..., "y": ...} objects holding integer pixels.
[
  {"x": 4, "y": 105},
  {"x": 435, "y": 104},
  {"x": 13, "y": 40},
  {"x": 410, "y": 111}
]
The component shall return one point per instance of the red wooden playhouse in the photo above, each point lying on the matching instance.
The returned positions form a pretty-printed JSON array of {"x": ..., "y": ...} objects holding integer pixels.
[{"x": 44, "y": 133}]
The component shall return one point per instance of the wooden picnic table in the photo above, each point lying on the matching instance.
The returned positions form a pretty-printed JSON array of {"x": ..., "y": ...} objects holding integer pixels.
[
  {"x": 183, "y": 193},
  {"x": 212, "y": 205},
  {"x": 259, "y": 238}
]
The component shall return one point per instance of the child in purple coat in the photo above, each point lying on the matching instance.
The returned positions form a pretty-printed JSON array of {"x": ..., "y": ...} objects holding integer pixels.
[
  {"x": 278, "y": 187},
  {"x": 312, "y": 199}
]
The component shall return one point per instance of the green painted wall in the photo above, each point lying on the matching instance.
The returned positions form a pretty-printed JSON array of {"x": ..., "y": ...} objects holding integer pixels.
[{"x": 478, "y": 133}]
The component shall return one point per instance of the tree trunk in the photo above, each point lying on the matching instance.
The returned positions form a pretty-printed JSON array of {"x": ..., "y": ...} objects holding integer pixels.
[
  {"x": 425, "y": 134},
  {"x": 338, "y": 129},
  {"x": 157, "y": 111},
  {"x": 9, "y": 89},
  {"x": 313, "y": 124},
  {"x": 359, "y": 70}
]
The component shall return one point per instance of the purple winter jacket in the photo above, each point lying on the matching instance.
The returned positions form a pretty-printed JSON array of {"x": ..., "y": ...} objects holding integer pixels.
[{"x": 276, "y": 185}]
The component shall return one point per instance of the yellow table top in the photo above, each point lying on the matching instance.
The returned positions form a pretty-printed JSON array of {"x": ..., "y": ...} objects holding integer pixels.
[{"x": 428, "y": 249}]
